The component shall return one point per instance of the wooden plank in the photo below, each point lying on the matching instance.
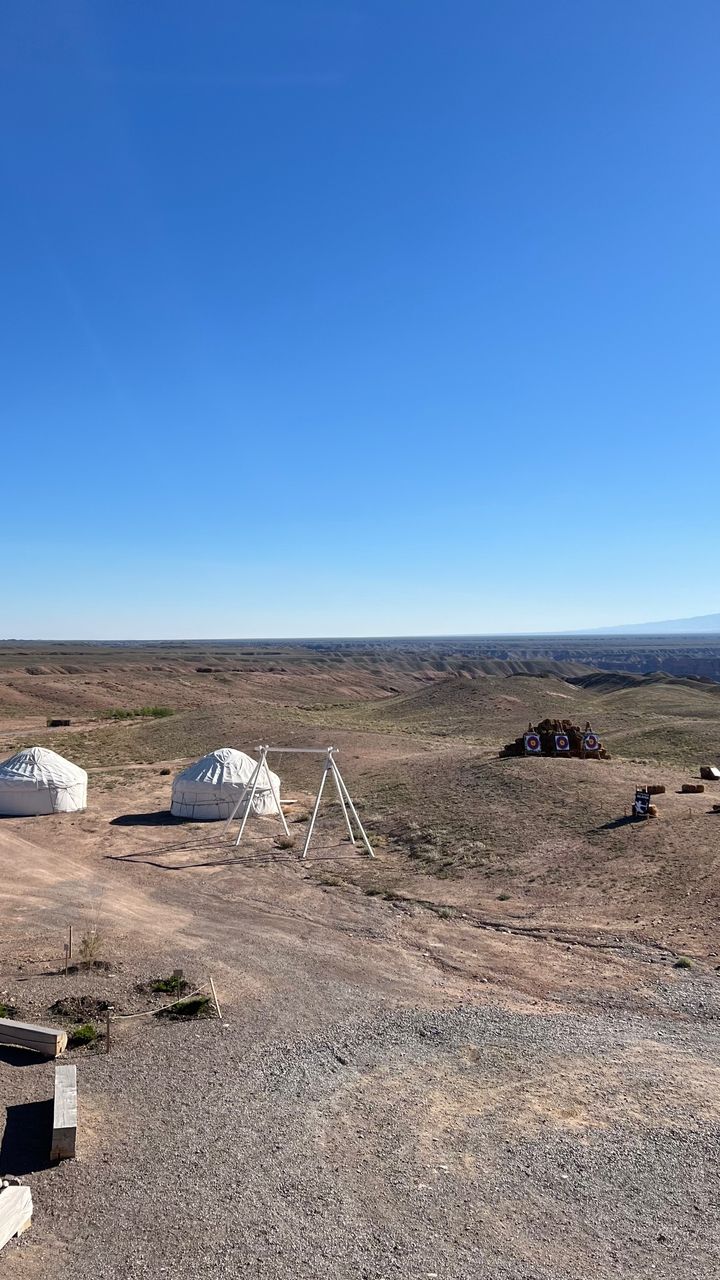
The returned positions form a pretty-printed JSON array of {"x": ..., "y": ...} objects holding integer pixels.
[
  {"x": 16, "y": 1208},
  {"x": 64, "y": 1113},
  {"x": 46, "y": 1040}
]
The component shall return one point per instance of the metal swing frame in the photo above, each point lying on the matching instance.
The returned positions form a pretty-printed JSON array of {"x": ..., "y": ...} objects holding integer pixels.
[{"x": 330, "y": 767}]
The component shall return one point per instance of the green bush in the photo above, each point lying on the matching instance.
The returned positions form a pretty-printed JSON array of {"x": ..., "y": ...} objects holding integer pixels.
[
  {"x": 170, "y": 986},
  {"x": 85, "y": 1034},
  {"x": 683, "y": 963}
]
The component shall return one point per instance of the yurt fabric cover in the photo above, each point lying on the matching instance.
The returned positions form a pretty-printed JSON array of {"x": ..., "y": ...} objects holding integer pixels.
[
  {"x": 38, "y": 781},
  {"x": 209, "y": 789}
]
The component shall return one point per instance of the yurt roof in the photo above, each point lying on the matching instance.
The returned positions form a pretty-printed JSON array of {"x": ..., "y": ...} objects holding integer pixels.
[
  {"x": 225, "y": 767},
  {"x": 38, "y": 766}
]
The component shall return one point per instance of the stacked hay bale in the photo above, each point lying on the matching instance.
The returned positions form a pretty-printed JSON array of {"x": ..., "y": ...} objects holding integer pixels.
[{"x": 546, "y": 731}]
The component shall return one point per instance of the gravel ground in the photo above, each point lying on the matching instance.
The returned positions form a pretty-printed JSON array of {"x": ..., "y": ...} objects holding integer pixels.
[
  {"x": 465, "y": 1142},
  {"x": 394, "y": 1092}
]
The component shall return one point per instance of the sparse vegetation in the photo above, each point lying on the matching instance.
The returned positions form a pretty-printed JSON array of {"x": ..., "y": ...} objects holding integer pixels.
[
  {"x": 85, "y": 1034},
  {"x": 284, "y": 842},
  {"x": 170, "y": 986},
  {"x": 683, "y": 963},
  {"x": 122, "y": 713},
  {"x": 193, "y": 1007},
  {"x": 90, "y": 946}
]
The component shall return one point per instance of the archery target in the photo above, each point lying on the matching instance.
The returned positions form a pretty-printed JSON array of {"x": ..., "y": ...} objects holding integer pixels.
[
  {"x": 562, "y": 742},
  {"x": 533, "y": 745},
  {"x": 591, "y": 742}
]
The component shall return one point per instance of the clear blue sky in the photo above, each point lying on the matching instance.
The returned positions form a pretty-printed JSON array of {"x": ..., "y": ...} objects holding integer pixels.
[{"x": 358, "y": 316}]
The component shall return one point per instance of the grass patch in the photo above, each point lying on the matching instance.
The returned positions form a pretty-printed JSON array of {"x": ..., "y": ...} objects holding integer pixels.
[
  {"x": 284, "y": 842},
  {"x": 194, "y": 1007},
  {"x": 683, "y": 963},
  {"x": 503, "y": 897},
  {"x": 84, "y": 1034},
  {"x": 8, "y": 1011}
]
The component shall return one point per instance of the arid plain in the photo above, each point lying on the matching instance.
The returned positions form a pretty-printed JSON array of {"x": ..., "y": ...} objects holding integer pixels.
[{"x": 492, "y": 1051}]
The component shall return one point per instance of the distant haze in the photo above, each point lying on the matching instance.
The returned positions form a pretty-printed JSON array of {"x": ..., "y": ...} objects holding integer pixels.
[{"x": 707, "y": 623}]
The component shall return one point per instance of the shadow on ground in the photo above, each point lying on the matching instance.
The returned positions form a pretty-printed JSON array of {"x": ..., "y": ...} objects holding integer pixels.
[
  {"x": 625, "y": 821},
  {"x": 26, "y": 1141},
  {"x": 157, "y": 818},
  {"x": 19, "y": 1057}
]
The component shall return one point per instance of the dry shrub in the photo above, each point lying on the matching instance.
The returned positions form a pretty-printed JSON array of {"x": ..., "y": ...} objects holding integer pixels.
[{"x": 90, "y": 946}]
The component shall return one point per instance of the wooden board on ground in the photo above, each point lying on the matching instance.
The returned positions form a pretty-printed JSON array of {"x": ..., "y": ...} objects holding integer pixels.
[
  {"x": 16, "y": 1208},
  {"x": 64, "y": 1132},
  {"x": 46, "y": 1040}
]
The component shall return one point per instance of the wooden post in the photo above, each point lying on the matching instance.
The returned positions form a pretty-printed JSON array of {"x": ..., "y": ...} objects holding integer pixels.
[
  {"x": 64, "y": 1133},
  {"x": 108, "y": 1015},
  {"x": 214, "y": 992},
  {"x": 70, "y": 941}
]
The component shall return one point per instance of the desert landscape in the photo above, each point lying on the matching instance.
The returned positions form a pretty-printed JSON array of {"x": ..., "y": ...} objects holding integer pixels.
[{"x": 492, "y": 1050}]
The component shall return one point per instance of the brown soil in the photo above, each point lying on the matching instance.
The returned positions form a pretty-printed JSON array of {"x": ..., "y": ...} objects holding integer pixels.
[{"x": 510, "y": 904}]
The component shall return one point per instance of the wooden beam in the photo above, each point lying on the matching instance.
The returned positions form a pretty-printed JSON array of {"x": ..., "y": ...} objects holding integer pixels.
[
  {"x": 64, "y": 1132},
  {"x": 16, "y": 1208},
  {"x": 46, "y": 1040}
]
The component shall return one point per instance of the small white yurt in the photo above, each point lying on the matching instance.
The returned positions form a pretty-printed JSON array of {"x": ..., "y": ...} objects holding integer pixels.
[
  {"x": 209, "y": 789},
  {"x": 37, "y": 781}
]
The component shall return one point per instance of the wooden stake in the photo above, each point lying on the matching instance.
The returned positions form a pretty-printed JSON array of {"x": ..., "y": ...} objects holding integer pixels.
[
  {"x": 214, "y": 992},
  {"x": 108, "y": 1015},
  {"x": 70, "y": 941}
]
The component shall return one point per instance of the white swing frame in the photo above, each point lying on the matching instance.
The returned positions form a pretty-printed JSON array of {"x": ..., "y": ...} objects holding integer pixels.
[{"x": 330, "y": 767}]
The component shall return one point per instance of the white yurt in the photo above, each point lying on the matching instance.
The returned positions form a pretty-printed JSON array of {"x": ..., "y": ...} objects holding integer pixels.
[
  {"x": 209, "y": 789},
  {"x": 37, "y": 781}
]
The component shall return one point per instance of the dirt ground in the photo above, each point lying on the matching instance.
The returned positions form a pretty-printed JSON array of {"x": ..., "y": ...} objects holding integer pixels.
[{"x": 493, "y": 1051}]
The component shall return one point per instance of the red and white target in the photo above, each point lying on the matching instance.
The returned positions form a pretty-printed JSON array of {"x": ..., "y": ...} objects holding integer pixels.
[
  {"x": 562, "y": 742},
  {"x": 533, "y": 745},
  {"x": 591, "y": 742}
]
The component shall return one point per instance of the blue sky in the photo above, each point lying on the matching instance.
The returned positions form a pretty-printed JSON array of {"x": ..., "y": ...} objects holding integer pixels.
[{"x": 366, "y": 317}]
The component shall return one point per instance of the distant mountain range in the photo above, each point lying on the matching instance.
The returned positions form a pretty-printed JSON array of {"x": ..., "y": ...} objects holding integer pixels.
[{"x": 707, "y": 624}]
